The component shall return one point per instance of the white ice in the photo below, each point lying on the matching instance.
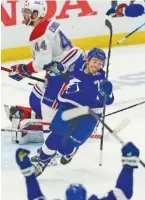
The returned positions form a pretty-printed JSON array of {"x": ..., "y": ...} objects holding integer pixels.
[{"x": 127, "y": 72}]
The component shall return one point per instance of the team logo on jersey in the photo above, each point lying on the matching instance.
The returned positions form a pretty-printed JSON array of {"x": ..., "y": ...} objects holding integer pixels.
[{"x": 73, "y": 85}]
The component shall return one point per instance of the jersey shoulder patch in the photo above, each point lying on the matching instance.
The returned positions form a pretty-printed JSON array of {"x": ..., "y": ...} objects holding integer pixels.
[{"x": 39, "y": 30}]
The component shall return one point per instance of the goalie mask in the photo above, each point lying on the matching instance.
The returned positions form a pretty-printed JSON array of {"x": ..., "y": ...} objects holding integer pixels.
[{"x": 32, "y": 11}]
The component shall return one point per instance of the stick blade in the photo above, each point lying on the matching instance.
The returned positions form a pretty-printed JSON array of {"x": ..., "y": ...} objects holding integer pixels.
[{"x": 109, "y": 25}]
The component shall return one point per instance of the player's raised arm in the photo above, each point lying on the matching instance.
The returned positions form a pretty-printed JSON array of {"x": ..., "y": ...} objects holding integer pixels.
[
  {"x": 124, "y": 184},
  {"x": 33, "y": 189}
]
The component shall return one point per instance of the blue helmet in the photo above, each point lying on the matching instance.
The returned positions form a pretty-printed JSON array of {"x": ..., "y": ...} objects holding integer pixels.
[
  {"x": 76, "y": 191},
  {"x": 97, "y": 53}
]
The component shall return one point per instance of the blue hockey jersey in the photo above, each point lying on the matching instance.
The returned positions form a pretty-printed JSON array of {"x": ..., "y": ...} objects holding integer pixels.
[{"x": 83, "y": 88}]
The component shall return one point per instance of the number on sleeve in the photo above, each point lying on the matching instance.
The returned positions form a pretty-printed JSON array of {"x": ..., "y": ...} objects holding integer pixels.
[{"x": 65, "y": 43}]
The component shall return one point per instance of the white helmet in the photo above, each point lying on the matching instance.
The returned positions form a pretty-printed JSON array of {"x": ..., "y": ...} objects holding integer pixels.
[{"x": 35, "y": 5}]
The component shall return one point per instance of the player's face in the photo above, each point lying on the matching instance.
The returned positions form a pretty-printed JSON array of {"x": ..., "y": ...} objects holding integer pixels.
[{"x": 94, "y": 65}]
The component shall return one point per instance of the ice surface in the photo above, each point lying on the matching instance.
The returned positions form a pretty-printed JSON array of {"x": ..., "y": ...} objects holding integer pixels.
[{"x": 127, "y": 72}]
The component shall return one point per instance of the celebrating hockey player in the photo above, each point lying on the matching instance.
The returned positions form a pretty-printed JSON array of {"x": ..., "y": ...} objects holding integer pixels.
[
  {"x": 122, "y": 190},
  {"x": 87, "y": 86},
  {"x": 49, "y": 44}
]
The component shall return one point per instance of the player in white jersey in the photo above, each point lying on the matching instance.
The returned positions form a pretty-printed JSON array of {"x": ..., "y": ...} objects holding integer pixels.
[{"x": 48, "y": 44}]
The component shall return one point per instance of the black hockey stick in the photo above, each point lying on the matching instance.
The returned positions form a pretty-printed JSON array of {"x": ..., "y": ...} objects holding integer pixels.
[
  {"x": 31, "y": 77},
  {"x": 31, "y": 84},
  {"x": 132, "y": 106},
  {"x": 128, "y": 35},
  {"x": 85, "y": 110},
  {"x": 109, "y": 25}
]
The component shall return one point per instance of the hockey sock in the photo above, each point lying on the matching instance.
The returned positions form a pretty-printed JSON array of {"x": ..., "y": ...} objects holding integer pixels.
[{"x": 33, "y": 189}]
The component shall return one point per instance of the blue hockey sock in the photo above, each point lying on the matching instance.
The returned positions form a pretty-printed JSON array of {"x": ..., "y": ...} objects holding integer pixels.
[
  {"x": 33, "y": 189},
  {"x": 125, "y": 181},
  {"x": 50, "y": 147}
]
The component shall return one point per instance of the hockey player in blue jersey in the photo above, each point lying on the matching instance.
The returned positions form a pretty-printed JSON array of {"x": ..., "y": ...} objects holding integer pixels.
[
  {"x": 88, "y": 87},
  {"x": 122, "y": 190}
]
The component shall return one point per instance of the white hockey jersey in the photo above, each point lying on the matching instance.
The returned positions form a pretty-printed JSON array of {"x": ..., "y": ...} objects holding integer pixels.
[{"x": 49, "y": 44}]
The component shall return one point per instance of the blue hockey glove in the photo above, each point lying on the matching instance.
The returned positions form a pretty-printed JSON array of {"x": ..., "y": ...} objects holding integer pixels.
[
  {"x": 18, "y": 72},
  {"x": 105, "y": 88},
  {"x": 130, "y": 155},
  {"x": 55, "y": 68},
  {"x": 24, "y": 162}
]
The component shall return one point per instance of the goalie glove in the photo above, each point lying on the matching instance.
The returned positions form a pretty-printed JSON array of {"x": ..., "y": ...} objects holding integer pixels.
[
  {"x": 19, "y": 72},
  {"x": 130, "y": 155},
  {"x": 24, "y": 162}
]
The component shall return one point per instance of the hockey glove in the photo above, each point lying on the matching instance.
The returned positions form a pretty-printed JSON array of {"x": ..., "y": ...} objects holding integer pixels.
[
  {"x": 130, "y": 155},
  {"x": 105, "y": 88},
  {"x": 55, "y": 68},
  {"x": 24, "y": 162},
  {"x": 18, "y": 72}
]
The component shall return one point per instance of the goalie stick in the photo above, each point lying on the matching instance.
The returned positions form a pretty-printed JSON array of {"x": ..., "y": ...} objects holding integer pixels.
[
  {"x": 85, "y": 110},
  {"x": 31, "y": 77},
  {"x": 109, "y": 25}
]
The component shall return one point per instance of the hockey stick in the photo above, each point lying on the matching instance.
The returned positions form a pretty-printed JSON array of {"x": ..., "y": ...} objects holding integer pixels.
[
  {"x": 19, "y": 130},
  {"x": 31, "y": 84},
  {"x": 122, "y": 125},
  {"x": 132, "y": 106},
  {"x": 31, "y": 77},
  {"x": 36, "y": 131},
  {"x": 128, "y": 35},
  {"x": 119, "y": 128},
  {"x": 85, "y": 110},
  {"x": 125, "y": 123},
  {"x": 109, "y": 25}
]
